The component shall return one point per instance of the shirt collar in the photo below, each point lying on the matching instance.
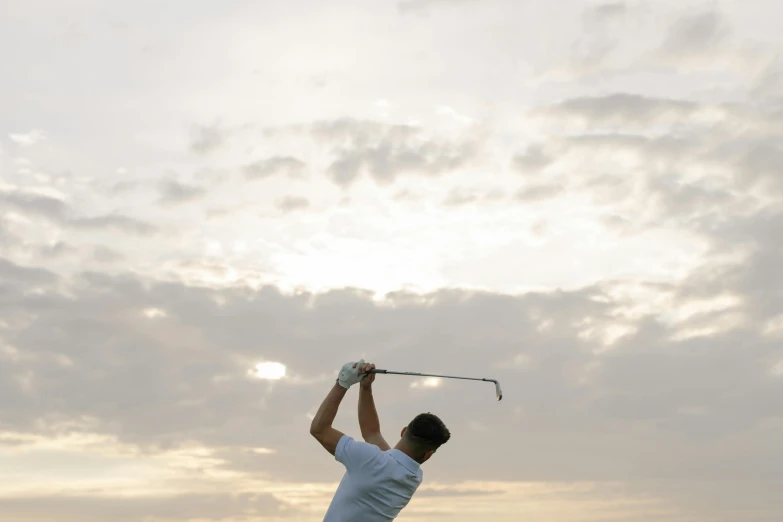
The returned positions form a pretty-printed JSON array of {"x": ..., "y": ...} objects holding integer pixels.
[{"x": 410, "y": 464}]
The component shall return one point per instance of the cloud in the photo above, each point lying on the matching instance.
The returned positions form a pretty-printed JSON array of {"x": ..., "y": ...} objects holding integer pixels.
[
  {"x": 600, "y": 12},
  {"x": 206, "y": 139},
  {"x": 44, "y": 206},
  {"x": 293, "y": 203},
  {"x": 385, "y": 152},
  {"x": 55, "y": 250},
  {"x": 769, "y": 83},
  {"x": 410, "y": 6},
  {"x": 116, "y": 221},
  {"x": 27, "y": 139},
  {"x": 696, "y": 33},
  {"x": 6, "y": 236},
  {"x": 670, "y": 389},
  {"x": 458, "y": 197},
  {"x": 276, "y": 165},
  {"x": 174, "y": 192},
  {"x": 601, "y": 25},
  {"x": 196, "y": 355},
  {"x": 456, "y": 492},
  {"x": 61, "y": 213},
  {"x": 623, "y": 109},
  {"x": 122, "y": 187},
  {"x": 13, "y": 274},
  {"x": 100, "y": 508},
  {"x": 739, "y": 143},
  {"x": 538, "y": 192},
  {"x": 103, "y": 254},
  {"x": 532, "y": 160},
  {"x": 598, "y": 410},
  {"x": 620, "y": 39}
]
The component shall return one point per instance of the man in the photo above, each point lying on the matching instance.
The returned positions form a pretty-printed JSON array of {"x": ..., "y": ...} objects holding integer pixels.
[{"x": 379, "y": 481}]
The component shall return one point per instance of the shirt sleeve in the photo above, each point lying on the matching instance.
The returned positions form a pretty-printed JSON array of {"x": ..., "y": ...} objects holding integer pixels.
[{"x": 354, "y": 454}]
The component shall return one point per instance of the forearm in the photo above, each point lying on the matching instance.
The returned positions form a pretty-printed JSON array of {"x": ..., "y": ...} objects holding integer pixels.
[
  {"x": 368, "y": 415},
  {"x": 328, "y": 410}
]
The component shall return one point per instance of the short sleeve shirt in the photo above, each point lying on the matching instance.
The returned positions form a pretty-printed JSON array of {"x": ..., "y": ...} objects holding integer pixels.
[{"x": 376, "y": 485}]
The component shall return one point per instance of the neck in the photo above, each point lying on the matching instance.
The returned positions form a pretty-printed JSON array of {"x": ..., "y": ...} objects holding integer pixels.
[{"x": 401, "y": 446}]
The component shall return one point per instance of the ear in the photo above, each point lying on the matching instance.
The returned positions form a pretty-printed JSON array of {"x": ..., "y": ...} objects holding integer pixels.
[{"x": 402, "y": 433}]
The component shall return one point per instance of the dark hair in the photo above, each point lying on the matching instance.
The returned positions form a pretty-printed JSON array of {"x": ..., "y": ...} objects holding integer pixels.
[{"x": 427, "y": 432}]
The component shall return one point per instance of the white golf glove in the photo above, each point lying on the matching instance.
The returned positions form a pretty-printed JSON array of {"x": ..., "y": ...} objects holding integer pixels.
[{"x": 349, "y": 375}]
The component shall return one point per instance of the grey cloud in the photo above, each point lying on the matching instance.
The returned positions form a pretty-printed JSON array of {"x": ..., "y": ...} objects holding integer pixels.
[
  {"x": 55, "y": 250},
  {"x": 685, "y": 199},
  {"x": 409, "y": 6},
  {"x": 458, "y": 197},
  {"x": 262, "y": 169},
  {"x": 740, "y": 140},
  {"x": 617, "y": 223},
  {"x": 615, "y": 38},
  {"x": 601, "y": 12},
  {"x": 11, "y": 273},
  {"x": 453, "y": 492},
  {"x": 622, "y": 108},
  {"x": 757, "y": 158},
  {"x": 100, "y": 508},
  {"x": 756, "y": 278},
  {"x": 61, "y": 213},
  {"x": 292, "y": 203},
  {"x": 695, "y": 33},
  {"x": 388, "y": 151},
  {"x": 103, "y": 254},
  {"x": 195, "y": 360},
  {"x": 213, "y": 213},
  {"x": 769, "y": 86},
  {"x": 206, "y": 139},
  {"x": 538, "y": 192},
  {"x": 119, "y": 222},
  {"x": 43, "y": 206},
  {"x": 722, "y": 498},
  {"x": 122, "y": 187},
  {"x": 598, "y": 38},
  {"x": 532, "y": 160},
  {"x": 174, "y": 192},
  {"x": 6, "y": 236}
]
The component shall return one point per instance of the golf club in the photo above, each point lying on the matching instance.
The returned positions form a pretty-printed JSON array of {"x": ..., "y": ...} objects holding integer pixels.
[{"x": 498, "y": 391}]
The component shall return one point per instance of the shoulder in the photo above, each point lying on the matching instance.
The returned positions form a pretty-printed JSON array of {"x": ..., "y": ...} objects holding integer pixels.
[{"x": 350, "y": 451}]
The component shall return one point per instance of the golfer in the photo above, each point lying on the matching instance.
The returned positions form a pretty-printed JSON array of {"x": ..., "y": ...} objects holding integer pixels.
[{"x": 379, "y": 480}]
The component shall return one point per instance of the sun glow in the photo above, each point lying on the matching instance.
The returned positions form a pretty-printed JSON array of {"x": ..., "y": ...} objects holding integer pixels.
[{"x": 270, "y": 370}]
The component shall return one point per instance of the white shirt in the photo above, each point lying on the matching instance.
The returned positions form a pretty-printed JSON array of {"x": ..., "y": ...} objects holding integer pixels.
[{"x": 377, "y": 484}]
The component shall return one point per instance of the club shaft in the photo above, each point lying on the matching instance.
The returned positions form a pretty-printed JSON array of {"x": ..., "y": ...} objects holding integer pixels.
[
  {"x": 376, "y": 370},
  {"x": 498, "y": 391}
]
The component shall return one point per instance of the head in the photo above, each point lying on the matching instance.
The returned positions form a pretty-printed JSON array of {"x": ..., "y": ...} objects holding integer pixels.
[{"x": 422, "y": 437}]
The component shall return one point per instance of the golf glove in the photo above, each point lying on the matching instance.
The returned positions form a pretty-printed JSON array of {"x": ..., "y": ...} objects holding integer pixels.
[{"x": 349, "y": 375}]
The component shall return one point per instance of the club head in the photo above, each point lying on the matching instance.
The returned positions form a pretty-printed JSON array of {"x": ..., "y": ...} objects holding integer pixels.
[{"x": 498, "y": 391}]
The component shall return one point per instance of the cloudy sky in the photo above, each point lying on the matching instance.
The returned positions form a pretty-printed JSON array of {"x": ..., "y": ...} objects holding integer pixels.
[{"x": 582, "y": 199}]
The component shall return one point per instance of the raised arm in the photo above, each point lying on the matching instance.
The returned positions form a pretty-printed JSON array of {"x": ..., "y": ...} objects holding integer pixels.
[
  {"x": 369, "y": 423},
  {"x": 321, "y": 427}
]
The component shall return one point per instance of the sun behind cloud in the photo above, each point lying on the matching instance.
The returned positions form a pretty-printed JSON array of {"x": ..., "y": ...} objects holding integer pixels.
[
  {"x": 270, "y": 370},
  {"x": 429, "y": 382}
]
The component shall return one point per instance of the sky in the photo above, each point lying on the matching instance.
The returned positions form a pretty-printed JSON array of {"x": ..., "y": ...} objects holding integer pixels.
[{"x": 207, "y": 208}]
